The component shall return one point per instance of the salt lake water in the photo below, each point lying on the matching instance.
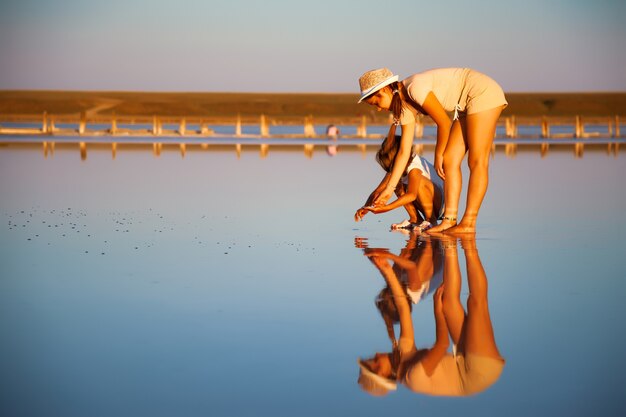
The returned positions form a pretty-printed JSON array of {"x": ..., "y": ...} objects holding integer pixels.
[{"x": 213, "y": 282}]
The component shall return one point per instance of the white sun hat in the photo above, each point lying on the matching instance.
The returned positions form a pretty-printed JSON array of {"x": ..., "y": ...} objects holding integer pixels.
[
  {"x": 374, "y": 80},
  {"x": 374, "y": 384}
]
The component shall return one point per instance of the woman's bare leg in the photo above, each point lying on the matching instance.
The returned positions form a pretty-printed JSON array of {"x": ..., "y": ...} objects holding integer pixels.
[
  {"x": 452, "y": 308},
  {"x": 481, "y": 129},
  {"x": 452, "y": 157},
  {"x": 478, "y": 336}
]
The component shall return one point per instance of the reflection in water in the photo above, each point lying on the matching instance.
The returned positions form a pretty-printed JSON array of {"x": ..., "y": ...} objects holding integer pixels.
[
  {"x": 83, "y": 151},
  {"x": 48, "y": 147},
  {"x": 264, "y": 150},
  {"x": 469, "y": 365},
  {"x": 156, "y": 148},
  {"x": 332, "y": 147}
]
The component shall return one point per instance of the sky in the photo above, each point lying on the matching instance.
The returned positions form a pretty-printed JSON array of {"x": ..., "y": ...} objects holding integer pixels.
[{"x": 307, "y": 46}]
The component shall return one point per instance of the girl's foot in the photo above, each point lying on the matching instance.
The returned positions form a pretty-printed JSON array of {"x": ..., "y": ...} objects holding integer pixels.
[
  {"x": 423, "y": 226},
  {"x": 445, "y": 224},
  {"x": 404, "y": 225}
]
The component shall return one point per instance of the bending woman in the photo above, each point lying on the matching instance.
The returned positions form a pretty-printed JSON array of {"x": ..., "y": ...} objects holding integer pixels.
[{"x": 477, "y": 102}]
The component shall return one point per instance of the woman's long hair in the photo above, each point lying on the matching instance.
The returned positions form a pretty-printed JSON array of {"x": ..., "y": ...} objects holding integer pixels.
[{"x": 396, "y": 101}]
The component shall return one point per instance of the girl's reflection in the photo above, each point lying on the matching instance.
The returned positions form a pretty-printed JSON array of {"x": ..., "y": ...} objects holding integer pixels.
[{"x": 472, "y": 364}]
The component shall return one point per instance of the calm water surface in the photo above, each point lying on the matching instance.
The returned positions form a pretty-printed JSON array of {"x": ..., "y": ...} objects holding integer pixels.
[{"x": 200, "y": 283}]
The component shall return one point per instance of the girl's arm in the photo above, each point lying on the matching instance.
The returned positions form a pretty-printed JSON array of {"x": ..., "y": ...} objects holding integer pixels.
[
  {"x": 403, "y": 263},
  {"x": 415, "y": 176},
  {"x": 435, "y": 110},
  {"x": 406, "y": 342},
  {"x": 402, "y": 158},
  {"x": 378, "y": 190}
]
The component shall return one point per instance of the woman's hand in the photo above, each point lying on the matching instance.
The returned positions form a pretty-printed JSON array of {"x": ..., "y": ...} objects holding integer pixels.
[
  {"x": 439, "y": 166},
  {"x": 383, "y": 197},
  {"x": 438, "y": 301}
]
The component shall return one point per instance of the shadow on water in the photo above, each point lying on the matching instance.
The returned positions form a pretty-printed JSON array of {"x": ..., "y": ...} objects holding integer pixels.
[{"x": 464, "y": 359}]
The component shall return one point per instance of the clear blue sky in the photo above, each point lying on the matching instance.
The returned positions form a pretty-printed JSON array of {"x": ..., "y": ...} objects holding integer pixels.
[{"x": 307, "y": 46}]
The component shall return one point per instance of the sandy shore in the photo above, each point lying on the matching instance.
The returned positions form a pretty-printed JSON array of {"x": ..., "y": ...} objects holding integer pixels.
[{"x": 282, "y": 107}]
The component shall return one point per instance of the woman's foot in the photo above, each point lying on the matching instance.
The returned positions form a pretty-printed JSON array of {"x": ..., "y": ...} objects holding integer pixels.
[
  {"x": 466, "y": 226},
  {"x": 460, "y": 229}
]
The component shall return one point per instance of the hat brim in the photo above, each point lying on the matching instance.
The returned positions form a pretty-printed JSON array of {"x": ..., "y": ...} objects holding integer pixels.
[
  {"x": 365, "y": 94},
  {"x": 381, "y": 382}
]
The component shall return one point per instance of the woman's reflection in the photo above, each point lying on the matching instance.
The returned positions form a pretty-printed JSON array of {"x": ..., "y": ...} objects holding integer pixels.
[{"x": 472, "y": 363}]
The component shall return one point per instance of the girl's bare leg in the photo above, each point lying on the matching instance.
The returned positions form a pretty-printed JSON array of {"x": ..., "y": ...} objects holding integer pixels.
[
  {"x": 452, "y": 157},
  {"x": 425, "y": 199},
  {"x": 481, "y": 129},
  {"x": 414, "y": 216}
]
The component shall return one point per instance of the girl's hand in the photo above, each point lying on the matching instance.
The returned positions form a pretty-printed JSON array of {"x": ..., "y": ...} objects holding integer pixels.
[
  {"x": 439, "y": 166},
  {"x": 376, "y": 209},
  {"x": 358, "y": 216}
]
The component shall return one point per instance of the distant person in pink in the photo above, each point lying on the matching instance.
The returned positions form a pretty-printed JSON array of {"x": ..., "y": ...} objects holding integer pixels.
[
  {"x": 332, "y": 132},
  {"x": 476, "y": 101}
]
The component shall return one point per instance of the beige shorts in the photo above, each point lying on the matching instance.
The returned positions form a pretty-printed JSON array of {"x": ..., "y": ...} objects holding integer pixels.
[
  {"x": 483, "y": 93},
  {"x": 478, "y": 372}
]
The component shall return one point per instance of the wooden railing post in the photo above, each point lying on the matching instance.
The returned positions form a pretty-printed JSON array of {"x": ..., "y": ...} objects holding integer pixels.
[
  {"x": 44, "y": 124},
  {"x": 238, "y": 125},
  {"x": 361, "y": 130},
  {"x": 309, "y": 130},
  {"x": 83, "y": 122},
  {"x": 113, "y": 125},
  {"x": 265, "y": 131},
  {"x": 545, "y": 127}
]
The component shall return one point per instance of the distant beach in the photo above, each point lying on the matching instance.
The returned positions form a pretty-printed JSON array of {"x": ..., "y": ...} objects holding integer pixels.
[{"x": 280, "y": 107}]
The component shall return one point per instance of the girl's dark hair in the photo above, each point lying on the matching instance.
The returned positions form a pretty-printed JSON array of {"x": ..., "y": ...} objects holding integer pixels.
[
  {"x": 386, "y": 155},
  {"x": 386, "y": 305}
]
